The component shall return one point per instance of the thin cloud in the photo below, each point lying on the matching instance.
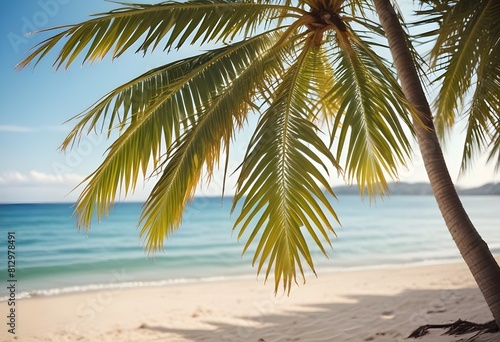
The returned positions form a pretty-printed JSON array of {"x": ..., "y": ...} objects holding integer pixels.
[
  {"x": 26, "y": 129},
  {"x": 16, "y": 129},
  {"x": 37, "y": 178},
  {"x": 13, "y": 178},
  {"x": 46, "y": 178}
]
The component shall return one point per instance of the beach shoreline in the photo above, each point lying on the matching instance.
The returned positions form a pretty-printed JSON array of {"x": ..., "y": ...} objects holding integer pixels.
[
  {"x": 122, "y": 278},
  {"x": 384, "y": 304}
]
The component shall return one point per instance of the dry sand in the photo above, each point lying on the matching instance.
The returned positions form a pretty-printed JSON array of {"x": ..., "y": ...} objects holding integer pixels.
[{"x": 368, "y": 305}]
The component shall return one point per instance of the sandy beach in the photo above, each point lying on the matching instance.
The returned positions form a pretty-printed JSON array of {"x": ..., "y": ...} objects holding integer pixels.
[{"x": 367, "y": 305}]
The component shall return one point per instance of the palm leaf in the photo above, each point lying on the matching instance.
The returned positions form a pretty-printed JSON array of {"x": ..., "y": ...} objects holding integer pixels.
[
  {"x": 176, "y": 23},
  {"x": 466, "y": 57},
  {"x": 463, "y": 41},
  {"x": 494, "y": 155},
  {"x": 483, "y": 120},
  {"x": 280, "y": 179},
  {"x": 159, "y": 119},
  {"x": 370, "y": 120},
  {"x": 207, "y": 136}
]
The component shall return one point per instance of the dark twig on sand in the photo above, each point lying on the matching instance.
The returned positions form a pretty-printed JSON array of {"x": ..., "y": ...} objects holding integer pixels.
[{"x": 458, "y": 328}]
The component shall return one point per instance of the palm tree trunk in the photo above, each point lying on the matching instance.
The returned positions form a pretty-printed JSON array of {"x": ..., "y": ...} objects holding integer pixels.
[{"x": 473, "y": 249}]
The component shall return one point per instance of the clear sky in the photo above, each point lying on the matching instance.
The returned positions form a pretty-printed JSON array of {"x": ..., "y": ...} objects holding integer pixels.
[{"x": 35, "y": 103}]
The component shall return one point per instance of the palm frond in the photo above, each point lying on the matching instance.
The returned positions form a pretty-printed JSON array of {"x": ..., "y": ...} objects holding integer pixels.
[
  {"x": 322, "y": 79},
  {"x": 466, "y": 56},
  {"x": 120, "y": 107},
  {"x": 146, "y": 25},
  {"x": 177, "y": 94},
  {"x": 494, "y": 145},
  {"x": 464, "y": 40},
  {"x": 370, "y": 120},
  {"x": 207, "y": 137},
  {"x": 483, "y": 120},
  {"x": 281, "y": 181}
]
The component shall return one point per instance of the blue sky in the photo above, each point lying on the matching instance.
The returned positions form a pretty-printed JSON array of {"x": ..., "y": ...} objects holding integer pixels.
[{"x": 36, "y": 102}]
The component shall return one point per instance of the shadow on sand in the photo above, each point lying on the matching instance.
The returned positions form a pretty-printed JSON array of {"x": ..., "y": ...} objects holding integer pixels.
[{"x": 359, "y": 318}]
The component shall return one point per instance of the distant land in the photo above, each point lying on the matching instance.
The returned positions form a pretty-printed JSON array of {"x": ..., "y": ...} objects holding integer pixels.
[{"x": 424, "y": 189}]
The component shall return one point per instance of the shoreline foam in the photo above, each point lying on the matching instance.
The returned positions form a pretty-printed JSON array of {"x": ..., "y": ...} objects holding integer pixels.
[{"x": 48, "y": 292}]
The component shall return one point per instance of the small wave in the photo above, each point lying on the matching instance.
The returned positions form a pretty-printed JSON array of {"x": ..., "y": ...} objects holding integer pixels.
[
  {"x": 118, "y": 286},
  {"x": 21, "y": 295},
  {"x": 176, "y": 281}
]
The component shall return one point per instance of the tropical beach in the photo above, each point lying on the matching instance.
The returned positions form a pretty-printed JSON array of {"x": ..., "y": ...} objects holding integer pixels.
[
  {"x": 369, "y": 305},
  {"x": 210, "y": 211}
]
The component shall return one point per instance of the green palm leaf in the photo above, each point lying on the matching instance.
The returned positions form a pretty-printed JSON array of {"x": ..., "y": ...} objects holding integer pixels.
[
  {"x": 458, "y": 49},
  {"x": 176, "y": 23},
  {"x": 465, "y": 56},
  {"x": 187, "y": 87},
  {"x": 208, "y": 135},
  {"x": 483, "y": 121},
  {"x": 369, "y": 121},
  {"x": 280, "y": 179}
]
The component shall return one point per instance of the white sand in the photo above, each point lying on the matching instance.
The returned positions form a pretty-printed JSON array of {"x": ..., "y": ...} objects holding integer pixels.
[{"x": 369, "y": 305}]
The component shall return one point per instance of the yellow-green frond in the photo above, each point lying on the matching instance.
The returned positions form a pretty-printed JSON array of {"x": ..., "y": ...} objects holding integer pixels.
[
  {"x": 206, "y": 137},
  {"x": 281, "y": 181},
  {"x": 369, "y": 128},
  {"x": 494, "y": 146},
  {"x": 172, "y": 104},
  {"x": 466, "y": 58},
  {"x": 146, "y": 26},
  {"x": 465, "y": 38},
  {"x": 483, "y": 120}
]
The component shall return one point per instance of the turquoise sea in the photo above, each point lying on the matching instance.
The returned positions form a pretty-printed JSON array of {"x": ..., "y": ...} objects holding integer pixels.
[{"x": 52, "y": 257}]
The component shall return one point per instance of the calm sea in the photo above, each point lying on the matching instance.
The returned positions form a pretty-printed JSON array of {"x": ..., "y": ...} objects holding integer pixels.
[{"x": 52, "y": 257}]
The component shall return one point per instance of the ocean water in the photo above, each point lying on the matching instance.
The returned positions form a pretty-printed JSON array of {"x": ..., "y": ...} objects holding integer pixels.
[{"x": 52, "y": 257}]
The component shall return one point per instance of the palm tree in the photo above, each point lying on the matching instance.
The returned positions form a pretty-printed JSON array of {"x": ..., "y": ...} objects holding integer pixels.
[
  {"x": 467, "y": 47},
  {"x": 307, "y": 69}
]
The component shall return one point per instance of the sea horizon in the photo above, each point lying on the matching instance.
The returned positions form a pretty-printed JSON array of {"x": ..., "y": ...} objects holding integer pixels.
[{"x": 353, "y": 191}]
